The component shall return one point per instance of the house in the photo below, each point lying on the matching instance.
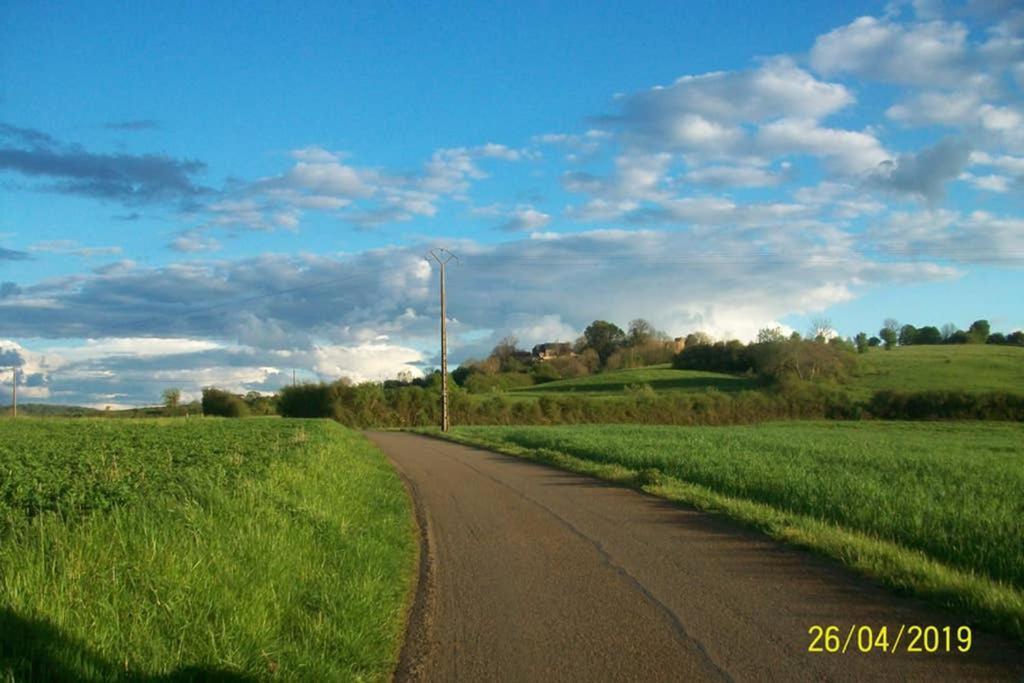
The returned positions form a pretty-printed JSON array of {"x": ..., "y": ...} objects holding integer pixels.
[
  {"x": 678, "y": 344},
  {"x": 552, "y": 350}
]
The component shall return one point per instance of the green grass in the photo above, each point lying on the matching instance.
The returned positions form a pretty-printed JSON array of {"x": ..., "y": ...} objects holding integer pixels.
[
  {"x": 197, "y": 549},
  {"x": 961, "y": 367},
  {"x": 659, "y": 377},
  {"x": 935, "y": 509}
]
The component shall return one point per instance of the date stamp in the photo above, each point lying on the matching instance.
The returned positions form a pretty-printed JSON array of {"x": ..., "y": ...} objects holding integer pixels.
[{"x": 910, "y": 638}]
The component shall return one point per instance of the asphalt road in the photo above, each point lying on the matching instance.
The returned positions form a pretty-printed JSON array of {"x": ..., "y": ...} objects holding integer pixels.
[{"x": 534, "y": 574}]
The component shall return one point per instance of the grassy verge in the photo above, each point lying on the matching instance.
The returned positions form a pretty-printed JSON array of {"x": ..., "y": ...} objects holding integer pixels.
[
  {"x": 931, "y": 509},
  {"x": 199, "y": 549}
]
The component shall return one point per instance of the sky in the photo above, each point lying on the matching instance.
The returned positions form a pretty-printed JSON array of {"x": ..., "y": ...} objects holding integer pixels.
[{"x": 219, "y": 194}]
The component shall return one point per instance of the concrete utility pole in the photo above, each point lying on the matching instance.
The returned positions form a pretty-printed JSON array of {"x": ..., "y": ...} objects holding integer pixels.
[
  {"x": 443, "y": 257},
  {"x": 14, "y": 390}
]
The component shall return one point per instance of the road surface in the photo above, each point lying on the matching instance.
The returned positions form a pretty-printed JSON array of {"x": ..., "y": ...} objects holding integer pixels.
[{"x": 530, "y": 573}]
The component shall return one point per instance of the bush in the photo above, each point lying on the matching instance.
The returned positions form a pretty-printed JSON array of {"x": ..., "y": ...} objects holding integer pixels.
[
  {"x": 947, "y": 405},
  {"x": 223, "y": 403}
]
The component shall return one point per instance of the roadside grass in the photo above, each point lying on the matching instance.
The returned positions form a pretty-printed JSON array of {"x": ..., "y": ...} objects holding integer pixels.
[
  {"x": 929, "y": 509},
  {"x": 199, "y": 549}
]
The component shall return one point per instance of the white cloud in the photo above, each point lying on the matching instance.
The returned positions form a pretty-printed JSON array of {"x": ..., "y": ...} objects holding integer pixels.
[
  {"x": 704, "y": 113},
  {"x": 881, "y": 49},
  {"x": 526, "y": 218},
  {"x": 736, "y": 176},
  {"x": 845, "y": 151}
]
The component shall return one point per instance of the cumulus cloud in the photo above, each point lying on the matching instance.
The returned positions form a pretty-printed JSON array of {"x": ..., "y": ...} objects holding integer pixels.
[
  {"x": 881, "y": 49},
  {"x": 705, "y": 113},
  {"x": 526, "y": 218},
  {"x": 847, "y": 152}
]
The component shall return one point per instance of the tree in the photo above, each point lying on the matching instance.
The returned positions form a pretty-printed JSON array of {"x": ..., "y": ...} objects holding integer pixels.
[
  {"x": 959, "y": 337},
  {"x": 1016, "y": 338},
  {"x": 948, "y": 330},
  {"x": 821, "y": 329},
  {"x": 769, "y": 335},
  {"x": 889, "y": 336},
  {"x": 996, "y": 338},
  {"x": 861, "y": 340},
  {"x": 506, "y": 347},
  {"x": 641, "y": 332},
  {"x": 172, "y": 397},
  {"x": 874, "y": 341},
  {"x": 697, "y": 339},
  {"x": 979, "y": 331},
  {"x": 929, "y": 334},
  {"x": 604, "y": 338},
  {"x": 908, "y": 335}
]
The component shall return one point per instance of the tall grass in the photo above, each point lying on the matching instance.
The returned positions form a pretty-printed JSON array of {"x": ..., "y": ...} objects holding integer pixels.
[{"x": 199, "y": 549}]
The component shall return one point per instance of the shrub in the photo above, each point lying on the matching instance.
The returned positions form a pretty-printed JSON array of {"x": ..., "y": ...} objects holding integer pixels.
[{"x": 223, "y": 403}]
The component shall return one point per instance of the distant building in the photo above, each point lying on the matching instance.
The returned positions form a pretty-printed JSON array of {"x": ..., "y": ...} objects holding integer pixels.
[
  {"x": 678, "y": 344},
  {"x": 552, "y": 350}
]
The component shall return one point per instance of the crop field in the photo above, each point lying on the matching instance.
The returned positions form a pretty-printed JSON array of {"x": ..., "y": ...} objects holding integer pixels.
[
  {"x": 199, "y": 549},
  {"x": 945, "y": 498}
]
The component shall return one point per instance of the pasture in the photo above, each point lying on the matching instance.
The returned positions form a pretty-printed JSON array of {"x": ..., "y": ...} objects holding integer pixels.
[
  {"x": 933, "y": 508},
  {"x": 199, "y": 549}
]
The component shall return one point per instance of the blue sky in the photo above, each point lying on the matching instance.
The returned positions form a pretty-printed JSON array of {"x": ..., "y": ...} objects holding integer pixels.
[{"x": 713, "y": 166}]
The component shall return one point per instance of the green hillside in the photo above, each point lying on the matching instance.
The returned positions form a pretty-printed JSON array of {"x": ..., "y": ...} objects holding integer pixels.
[
  {"x": 963, "y": 367},
  {"x": 659, "y": 377}
]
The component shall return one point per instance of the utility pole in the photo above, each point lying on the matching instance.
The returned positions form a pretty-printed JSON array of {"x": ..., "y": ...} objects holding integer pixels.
[
  {"x": 293, "y": 377},
  {"x": 14, "y": 390},
  {"x": 443, "y": 257}
]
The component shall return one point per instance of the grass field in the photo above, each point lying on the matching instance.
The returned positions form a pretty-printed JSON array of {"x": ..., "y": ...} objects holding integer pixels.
[
  {"x": 962, "y": 367},
  {"x": 659, "y": 377},
  {"x": 933, "y": 508},
  {"x": 199, "y": 549}
]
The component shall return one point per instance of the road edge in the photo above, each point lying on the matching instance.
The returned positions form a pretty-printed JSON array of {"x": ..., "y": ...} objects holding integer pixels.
[{"x": 416, "y": 643}]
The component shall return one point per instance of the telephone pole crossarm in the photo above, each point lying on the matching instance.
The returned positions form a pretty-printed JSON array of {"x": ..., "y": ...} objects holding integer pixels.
[{"x": 443, "y": 257}]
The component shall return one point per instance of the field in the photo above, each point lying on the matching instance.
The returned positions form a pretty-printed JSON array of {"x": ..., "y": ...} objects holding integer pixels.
[
  {"x": 659, "y": 377},
  {"x": 199, "y": 549},
  {"x": 961, "y": 367},
  {"x": 933, "y": 508}
]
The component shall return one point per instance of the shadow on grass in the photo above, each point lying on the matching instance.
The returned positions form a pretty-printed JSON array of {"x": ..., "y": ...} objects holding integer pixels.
[{"x": 36, "y": 650}]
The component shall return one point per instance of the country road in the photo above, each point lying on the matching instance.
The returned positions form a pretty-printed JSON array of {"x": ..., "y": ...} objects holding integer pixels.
[{"x": 534, "y": 574}]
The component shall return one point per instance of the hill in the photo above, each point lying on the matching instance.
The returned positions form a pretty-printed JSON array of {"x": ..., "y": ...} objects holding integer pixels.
[
  {"x": 954, "y": 367},
  {"x": 960, "y": 367},
  {"x": 659, "y": 377}
]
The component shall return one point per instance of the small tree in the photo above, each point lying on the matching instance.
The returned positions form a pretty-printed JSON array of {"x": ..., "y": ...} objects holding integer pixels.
[
  {"x": 604, "y": 338},
  {"x": 641, "y": 332},
  {"x": 874, "y": 341},
  {"x": 821, "y": 329},
  {"x": 769, "y": 335},
  {"x": 889, "y": 336},
  {"x": 979, "y": 331},
  {"x": 948, "y": 330},
  {"x": 908, "y": 335},
  {"x": 172, "y": 399},
  {"x": 862, "y": 342}
]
